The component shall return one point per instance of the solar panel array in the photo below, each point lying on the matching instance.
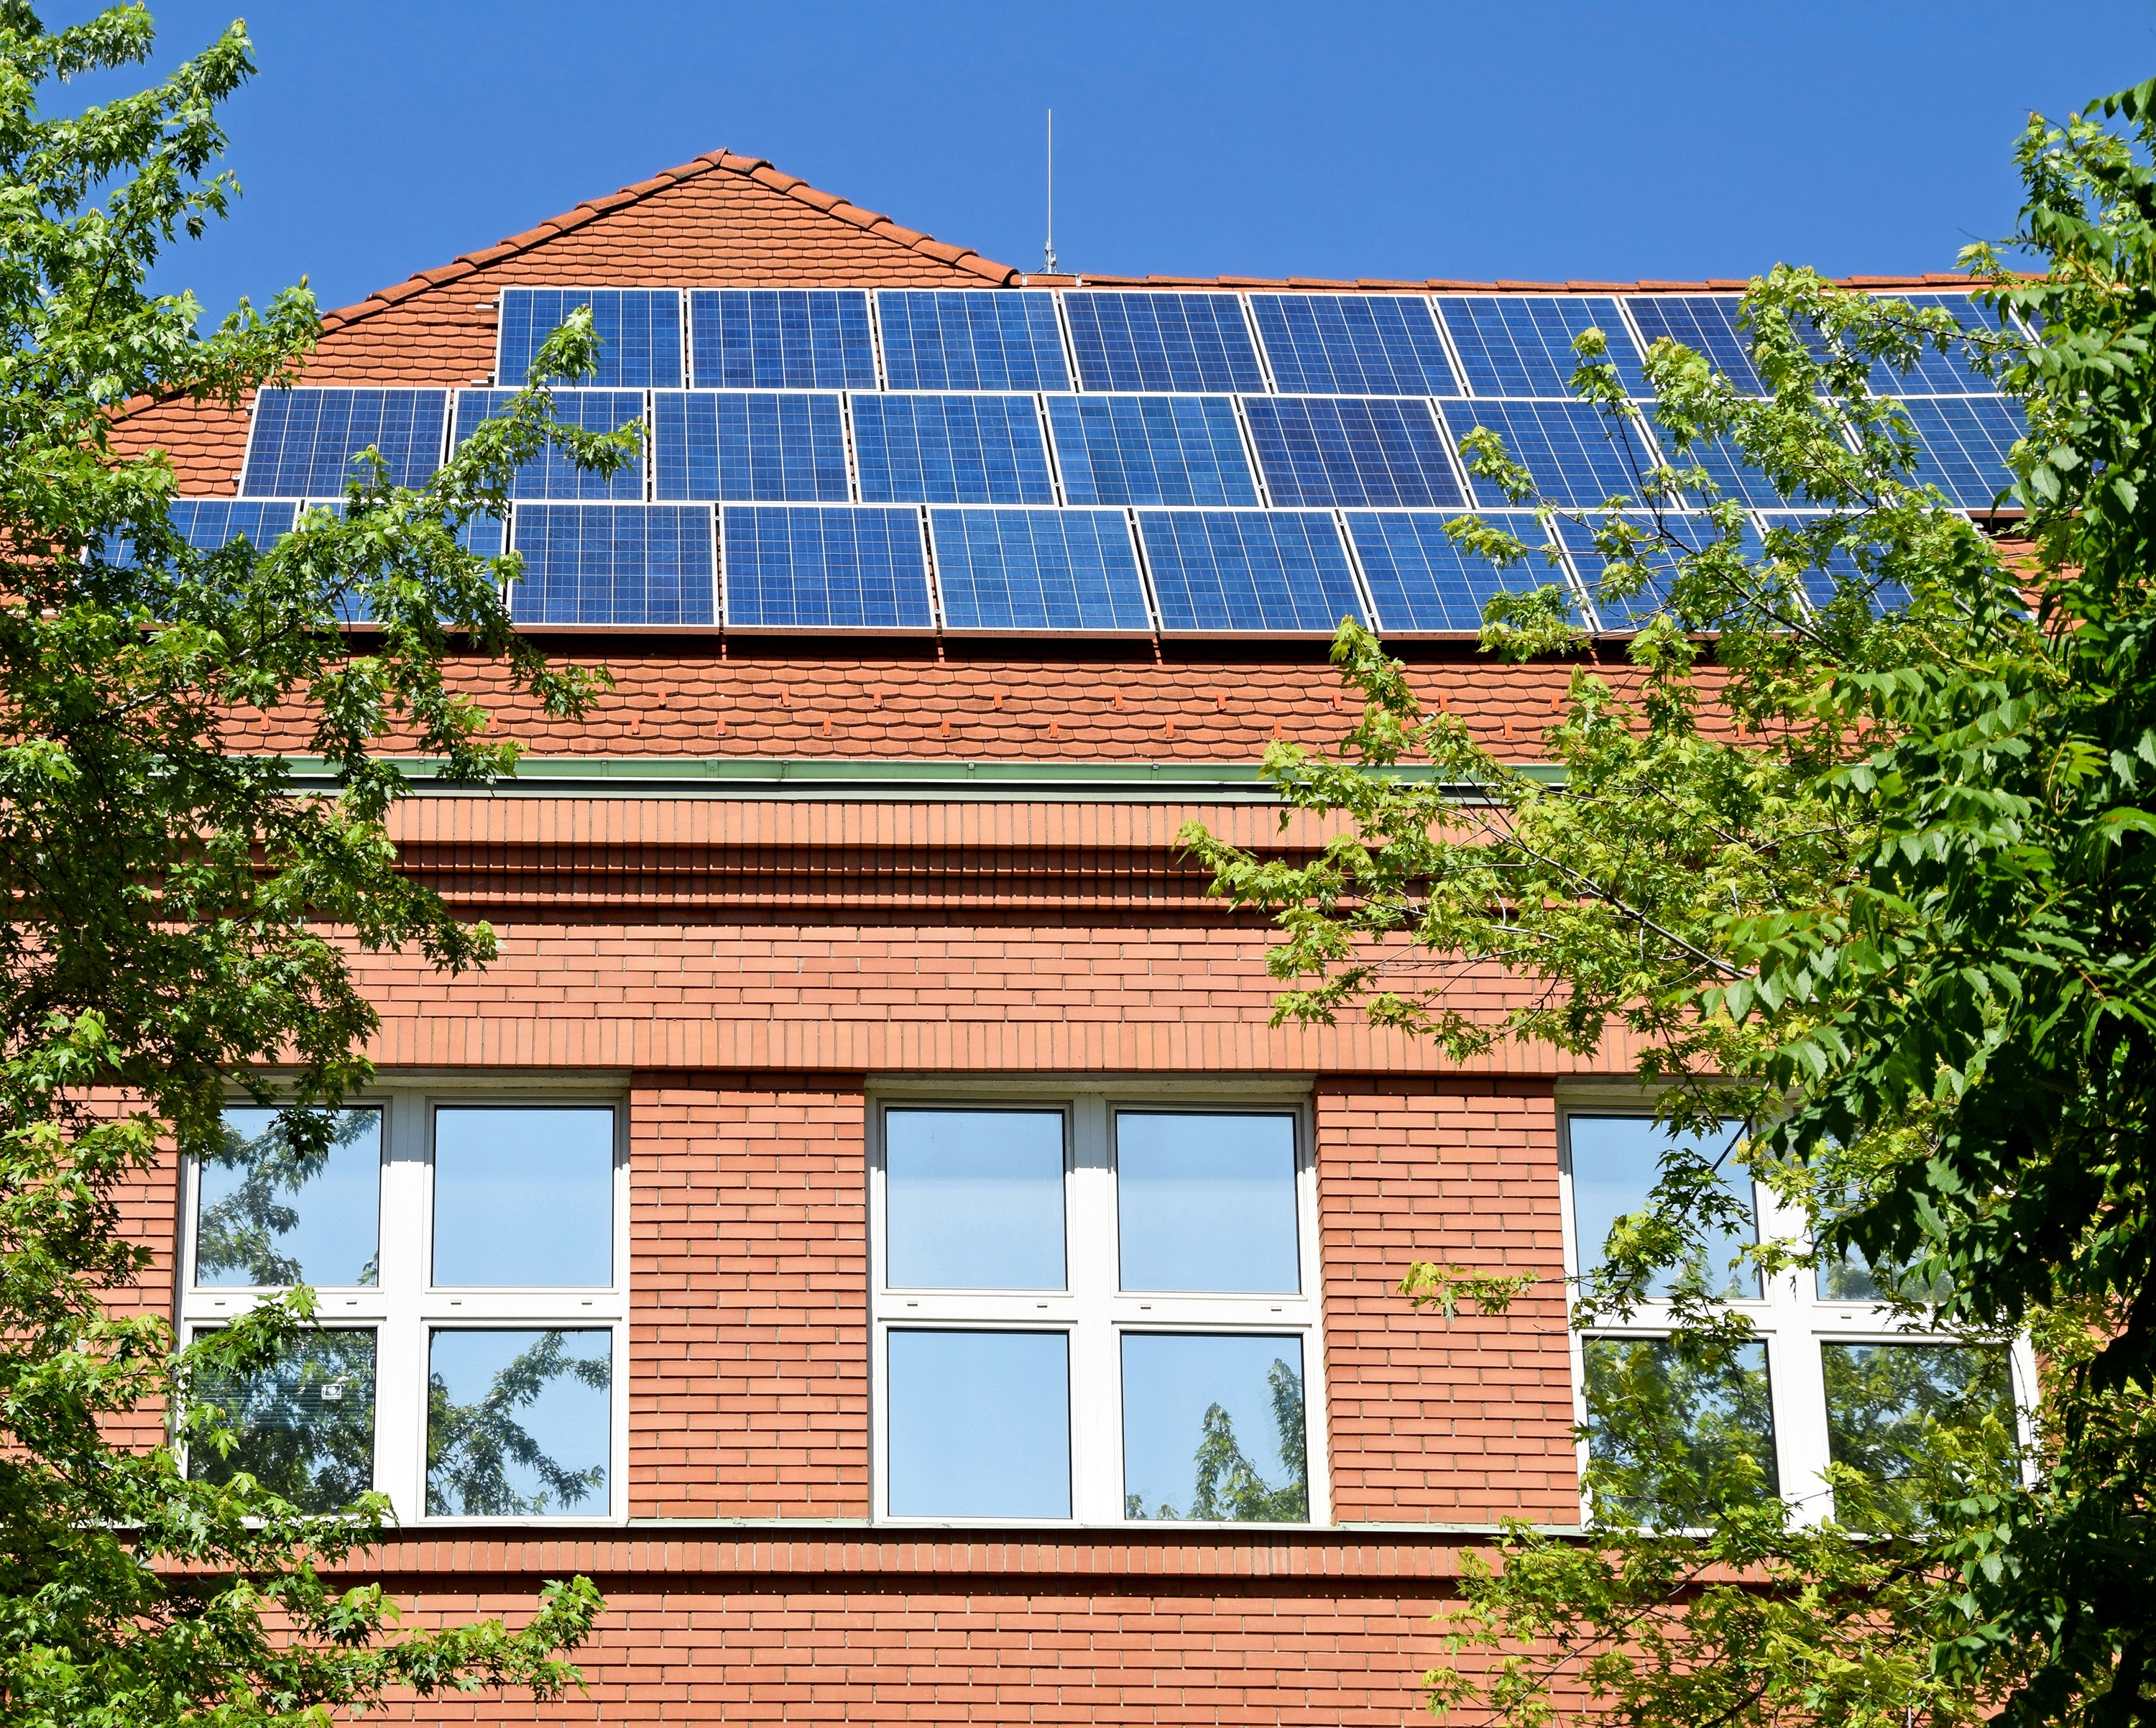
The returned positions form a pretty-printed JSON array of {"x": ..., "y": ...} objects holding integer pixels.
[{"x": 1082, "y": 460}]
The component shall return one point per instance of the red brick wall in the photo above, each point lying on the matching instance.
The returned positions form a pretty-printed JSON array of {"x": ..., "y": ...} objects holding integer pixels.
[{"x": 1462, "y": 1420}]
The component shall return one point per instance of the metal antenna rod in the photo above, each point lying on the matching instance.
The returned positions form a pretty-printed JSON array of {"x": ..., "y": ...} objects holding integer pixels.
[{"x": 1048, "y": 250}]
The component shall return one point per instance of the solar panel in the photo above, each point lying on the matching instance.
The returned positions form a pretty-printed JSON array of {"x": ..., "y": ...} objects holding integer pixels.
[
  {"x": 640, "y": 332},
  {"x": 1567, "y": 446},
  {"x": 811, "y": 568},
  {"x": 741, "y": 445},
  {"x": 303, "y": 440},
  {"x": 781, "y": 339},
  {"x": 1521, "y": 344},
  {"x": 1325, "y": 450},
  {"x": 1963, "y": 442},
  {"x": 613, "y": 563},
  {"x": 1038, "y": 569},
  {"x": 970, "y": 339},
  {"x": 1691, "y": 532},
  {"x": 1248, "y": 570},
  {"x": 1127, "y": 340},
  {"x": 207, "y": 524},
  {"x": 482, "y": 534},
  {"x": 1419, "y": 580},
  {"x": 1150, "y": 449},
  {"x": 951, "y": 449},
  {"x": 552, "y": 474},
  {"x": 1705, "y": 323},
  {"x": 1353, "y": 344},
  {"x": 1732, "y": 476},
  {"x": 1841, "y": 565},
  {"x": 1934, "y": 373}
]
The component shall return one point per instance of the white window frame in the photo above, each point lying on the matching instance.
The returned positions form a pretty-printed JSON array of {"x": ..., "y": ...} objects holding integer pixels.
[
  {"x": 1092, "y": 1310},
  {"x": 1791, "y": 1320},
  {"x": 404, "y": 1308}
]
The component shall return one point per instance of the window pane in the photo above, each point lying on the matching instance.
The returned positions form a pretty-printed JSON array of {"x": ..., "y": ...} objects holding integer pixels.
[
  {"x": 268, "y": 1213},
  {"x": 306, "y": 1427},
  {"x": 1918, "y": 1419},
  {"x": 1213, "y": 1427},
  {"x": 519, "y": 1423},
  {"x": 973, "y": 1199},
  {"x": 980, "y": 1425},
  {"x": 1676, "y": 1438},
  {"x": 524, "y": 1196},
  {"x": 1616, "y": 1161},
  {"x": 1206, "y": 1202}
]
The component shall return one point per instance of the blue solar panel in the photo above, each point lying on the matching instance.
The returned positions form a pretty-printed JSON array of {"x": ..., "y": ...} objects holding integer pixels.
[
  {"x": 1521, "y": 344},
  {"x": 1162, "y": 342},
  {"x": 1353, "y": 344},
  {"x": 640, "y": 332},
  {"x": 1732, "y": 476},
  {"x": 1963, "y": 441},
  {"x": 781, "y": 339},
  {"x": 1419, "y": 580},
  {"x": 482, "y": 534},
  {"x": 1248, "y": 570},
  {"x": 1038, "y": 569},
  {"x": 1705, "y": 323},
  {"x": 740, "y": 446},
  {"x": 1325, "y": 450},
  {"x": 805, "y": 567},
  {"x": 1934, "y": 373},
  {"x": 613, "y": 563},
  {"x": 1820, "y": 586},
  {"x": 951, "y": 449},
  {"x": 208, "y": 523},
  {"x": 303, "y": 439},
  {"x": 1150, "y": 449},
  {"x": 552, "y": 474},
  {"x": 1567, "y": 446},
  {"x": 970, "y": 339},
  {"x": 1691, "y": 532}
]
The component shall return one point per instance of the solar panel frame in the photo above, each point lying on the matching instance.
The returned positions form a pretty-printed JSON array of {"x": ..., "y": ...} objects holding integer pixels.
[
  {"x": 1563, "y": 444},
  {"x": 1521, "y": 344},
  {"x": 750, "y": 446},
  {"x": 1707, "y": 324},
  {"x": 761, "y": 544},
  {"x": 1934, "y": 373},
  {"x": 782, "y": 339},
  {"x": 551, "y": 477},
  {"x": 1150, "y": 451},
  {"x": 639, "y": 331},
  {"x": 1353, "y": 345},
  {"x": 1004, "y": 570},
  {"x": 1420, "y": 584},
  {"x": 930, "y": 449},
  {"x": 612, "y": 577},
  {"x": 1352, "y": 452},
  {"x": 1696, "y": 529},
  {"x": 191, "y": 518},
  {"x": 1139, "y": 341},
  {"x": 300, "y": 441},
  {"x": 970, "y": 339},
  {"x": 1961, "y": 445},
  {"x": 1246, "y": 572}
]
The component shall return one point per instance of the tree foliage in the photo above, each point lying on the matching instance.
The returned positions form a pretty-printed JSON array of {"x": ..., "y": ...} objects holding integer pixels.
[
  {"x": 1857, "y": 850},
  {"x": 179, "y": 915}
]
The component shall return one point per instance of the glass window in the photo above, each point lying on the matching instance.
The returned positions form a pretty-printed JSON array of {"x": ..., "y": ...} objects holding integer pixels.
[
  {"x": 973, "y": 1199},
  {"x": 980, "y": 1424},
  {"x": 1206, "y": 1202},
  {"x": 305, "y": 1428},
  {"x": 269, "y": 1213},
  {"x": 523, "y": 1196},
  {"x": 1678, "y": 1435},
  {"x": 1213, "y": 1427},
  {"x": 519, "y": 1423},
  {"x": 1890, "y": 1404},
  {"x": 1616, "y": 1161}
]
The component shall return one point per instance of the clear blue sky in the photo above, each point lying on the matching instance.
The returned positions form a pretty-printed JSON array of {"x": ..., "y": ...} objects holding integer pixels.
[{"x": 1522, "y": 138}]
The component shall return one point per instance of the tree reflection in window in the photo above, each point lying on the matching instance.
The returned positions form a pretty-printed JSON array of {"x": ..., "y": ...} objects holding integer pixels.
[
  {"x": 1915, "y": 1424},
  {"x": 1228, "y": 1485},
  {"x": 305, "y": 1428},
  {"x": 1676, "y": 1429},
  {"x": 520, "y": 1448},
  {"x": 280, "y": 1208}
]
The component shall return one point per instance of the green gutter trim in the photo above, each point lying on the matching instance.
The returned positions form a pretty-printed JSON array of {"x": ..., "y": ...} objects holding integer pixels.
[{"x": 796, "y": 779}]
